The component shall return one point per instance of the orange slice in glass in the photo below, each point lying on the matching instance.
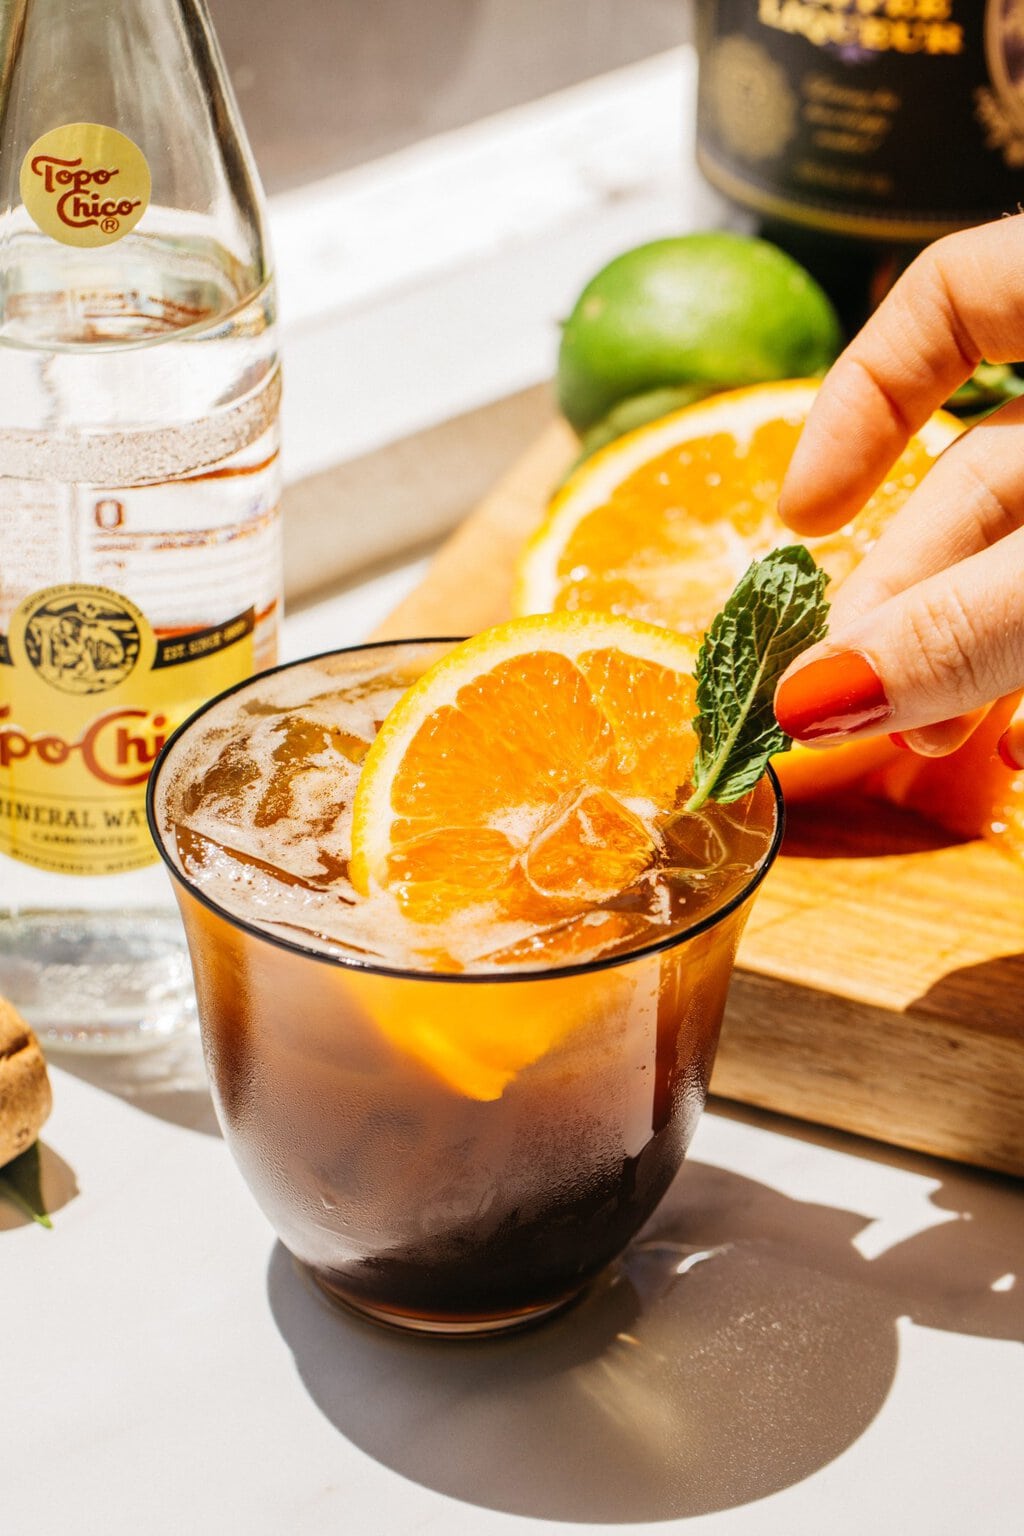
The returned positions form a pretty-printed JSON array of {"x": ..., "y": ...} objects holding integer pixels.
[
  {"x": 520, "y": 779},
  {"x": 523, "y": 773}
]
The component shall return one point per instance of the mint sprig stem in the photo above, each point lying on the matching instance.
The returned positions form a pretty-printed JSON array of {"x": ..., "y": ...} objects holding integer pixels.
[{"x": 776, "y": 610}]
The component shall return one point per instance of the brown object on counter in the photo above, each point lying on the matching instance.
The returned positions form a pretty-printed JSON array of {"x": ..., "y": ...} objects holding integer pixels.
[
  {"x": 879, "y": 981},
  {"x": 25, "y": 1098}
]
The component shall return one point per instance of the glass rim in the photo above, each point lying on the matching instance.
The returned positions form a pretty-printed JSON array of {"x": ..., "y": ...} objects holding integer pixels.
[{"x": 407, "y": 973}]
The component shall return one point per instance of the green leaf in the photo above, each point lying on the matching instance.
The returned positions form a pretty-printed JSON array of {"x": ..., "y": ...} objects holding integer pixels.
[
  {"x": 989, "y": 387},
  {"x": 21, "y": 1182},
  {"x": 776, "y": 610}
]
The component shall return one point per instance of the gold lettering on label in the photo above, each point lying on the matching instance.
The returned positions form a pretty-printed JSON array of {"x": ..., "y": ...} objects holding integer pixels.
[
  {"x": 878, "y": 26},
  {"x": 851, "y": 138},
  {"x": 844, "y": 119},
  {"x": 821, "y": 88},
  {"x": 844, "y": 179},
  {"x": 1001, "y": 132}
]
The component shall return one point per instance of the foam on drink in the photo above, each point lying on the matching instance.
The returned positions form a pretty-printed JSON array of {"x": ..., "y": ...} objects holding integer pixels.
[{"x": 255, "y": 805}]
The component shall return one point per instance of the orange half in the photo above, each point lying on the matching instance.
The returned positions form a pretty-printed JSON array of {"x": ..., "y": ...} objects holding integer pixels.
[{"x": 662, "y": 523}]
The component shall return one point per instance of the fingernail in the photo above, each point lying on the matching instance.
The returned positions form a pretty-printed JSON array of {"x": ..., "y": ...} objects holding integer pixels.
[
  {"x": 1004, "y": 748},
  {"x": 832, "y": 697},
  {"x": 899, "y": 741}
]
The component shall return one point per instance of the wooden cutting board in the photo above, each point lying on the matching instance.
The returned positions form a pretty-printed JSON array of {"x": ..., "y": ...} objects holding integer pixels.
[{"x": 880, "y": 984}]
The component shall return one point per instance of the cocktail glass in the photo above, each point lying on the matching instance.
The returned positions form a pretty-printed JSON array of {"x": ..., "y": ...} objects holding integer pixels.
[{"x": 340, "y": 1079}]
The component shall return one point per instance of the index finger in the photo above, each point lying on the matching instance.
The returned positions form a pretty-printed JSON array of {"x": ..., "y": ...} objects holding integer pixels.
[{"x": 960, "y": 301}]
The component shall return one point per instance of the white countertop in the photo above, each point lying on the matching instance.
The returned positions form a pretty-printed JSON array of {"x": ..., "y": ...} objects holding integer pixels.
[{"x": 841, "y": 1352}]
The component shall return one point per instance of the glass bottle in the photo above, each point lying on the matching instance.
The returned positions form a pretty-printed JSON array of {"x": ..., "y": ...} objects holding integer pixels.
[
  {"x": 139, "y": 486},
  {"x": 856, "y": 131}
]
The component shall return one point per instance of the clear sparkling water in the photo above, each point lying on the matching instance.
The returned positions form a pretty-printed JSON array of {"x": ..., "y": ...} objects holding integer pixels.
[{"x": 138, "y": 451}]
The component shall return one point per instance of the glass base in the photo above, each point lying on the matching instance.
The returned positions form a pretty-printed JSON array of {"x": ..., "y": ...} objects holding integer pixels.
[
  {"x": 98, "y": 980},
  {"x": 443, "y": 1327}
]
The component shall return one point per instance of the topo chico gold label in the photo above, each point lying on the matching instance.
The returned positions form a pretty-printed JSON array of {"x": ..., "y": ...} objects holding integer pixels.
[
  {"x": 85, "y": 184},
  {"x": 888, "y": 119},
  {"x": 89, "y": 693}
]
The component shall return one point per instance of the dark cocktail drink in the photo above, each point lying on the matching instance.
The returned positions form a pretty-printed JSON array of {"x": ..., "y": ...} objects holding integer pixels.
[{"x": 455, "y": 1125}]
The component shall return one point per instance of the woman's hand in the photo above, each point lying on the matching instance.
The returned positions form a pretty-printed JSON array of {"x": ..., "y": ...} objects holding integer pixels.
[{"x": 929, "y": 629}]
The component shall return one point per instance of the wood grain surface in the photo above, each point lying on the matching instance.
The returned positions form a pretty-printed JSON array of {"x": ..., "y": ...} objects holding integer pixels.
[{"x": 880, "y": 983}]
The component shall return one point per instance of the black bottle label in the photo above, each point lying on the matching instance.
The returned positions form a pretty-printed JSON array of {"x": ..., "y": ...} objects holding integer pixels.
[{"x": 889, "y": 119}]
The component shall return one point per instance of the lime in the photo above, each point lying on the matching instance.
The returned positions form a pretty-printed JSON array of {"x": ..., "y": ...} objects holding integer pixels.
[
  {"x": 637, "y": 410},
  {"x": 713, "y": 308}
]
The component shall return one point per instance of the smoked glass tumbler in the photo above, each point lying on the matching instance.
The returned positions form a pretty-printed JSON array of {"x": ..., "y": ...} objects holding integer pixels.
[{"x": 409, "y": 1200}]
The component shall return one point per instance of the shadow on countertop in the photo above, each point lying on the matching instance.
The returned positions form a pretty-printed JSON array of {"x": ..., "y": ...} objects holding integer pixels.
[
  {"x": 852, "y": 826},
  {"x": 736, "y": 1350},
  {"x": 49, "y": 1185},
  {"x": 167, "y": 1080}
]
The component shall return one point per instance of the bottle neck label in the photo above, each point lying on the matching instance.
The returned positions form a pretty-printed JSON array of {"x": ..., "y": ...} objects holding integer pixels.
[
  {"x": 85, "y": 185},
  {"x": 888, "y": 119},
  {"x": 89, "y": 693}
]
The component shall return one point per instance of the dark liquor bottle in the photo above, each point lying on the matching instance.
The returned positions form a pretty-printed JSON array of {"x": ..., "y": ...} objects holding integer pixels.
[{"x": 855, "y": 131}]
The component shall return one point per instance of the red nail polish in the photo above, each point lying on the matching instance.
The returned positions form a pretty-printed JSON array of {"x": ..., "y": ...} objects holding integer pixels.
[
  {"x": 900, "y": 741},
  {"x": 832, "y": 697},
  {"x": 1006, "y": 754}
]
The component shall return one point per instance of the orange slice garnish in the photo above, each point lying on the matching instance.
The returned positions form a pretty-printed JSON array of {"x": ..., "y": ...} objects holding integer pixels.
[
  {"x": 524, "y": 772},
  {"x": 521, "y": 780}
]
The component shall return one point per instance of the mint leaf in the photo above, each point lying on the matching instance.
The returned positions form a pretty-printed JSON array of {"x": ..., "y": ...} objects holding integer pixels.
[
  {"x": 775, "y": 611},
  {"x": 21, "y": 1182}
]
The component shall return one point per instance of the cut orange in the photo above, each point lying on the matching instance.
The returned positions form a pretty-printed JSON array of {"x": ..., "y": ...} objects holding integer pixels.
[
  {"x": 523, "y": 772},
  {"x": 1004, "y": 816},
  {"x": 661, "y": 524},
  {"x": 968, "y": 792}
]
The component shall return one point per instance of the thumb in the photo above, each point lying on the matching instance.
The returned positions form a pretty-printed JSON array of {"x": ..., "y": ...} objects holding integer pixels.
[{"x": 940, "y": 649}]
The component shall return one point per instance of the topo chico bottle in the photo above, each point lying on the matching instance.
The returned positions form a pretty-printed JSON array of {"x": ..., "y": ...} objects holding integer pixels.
[
  {"x": 859, "y": 130},
  {"x": 139, "y": 534}
]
